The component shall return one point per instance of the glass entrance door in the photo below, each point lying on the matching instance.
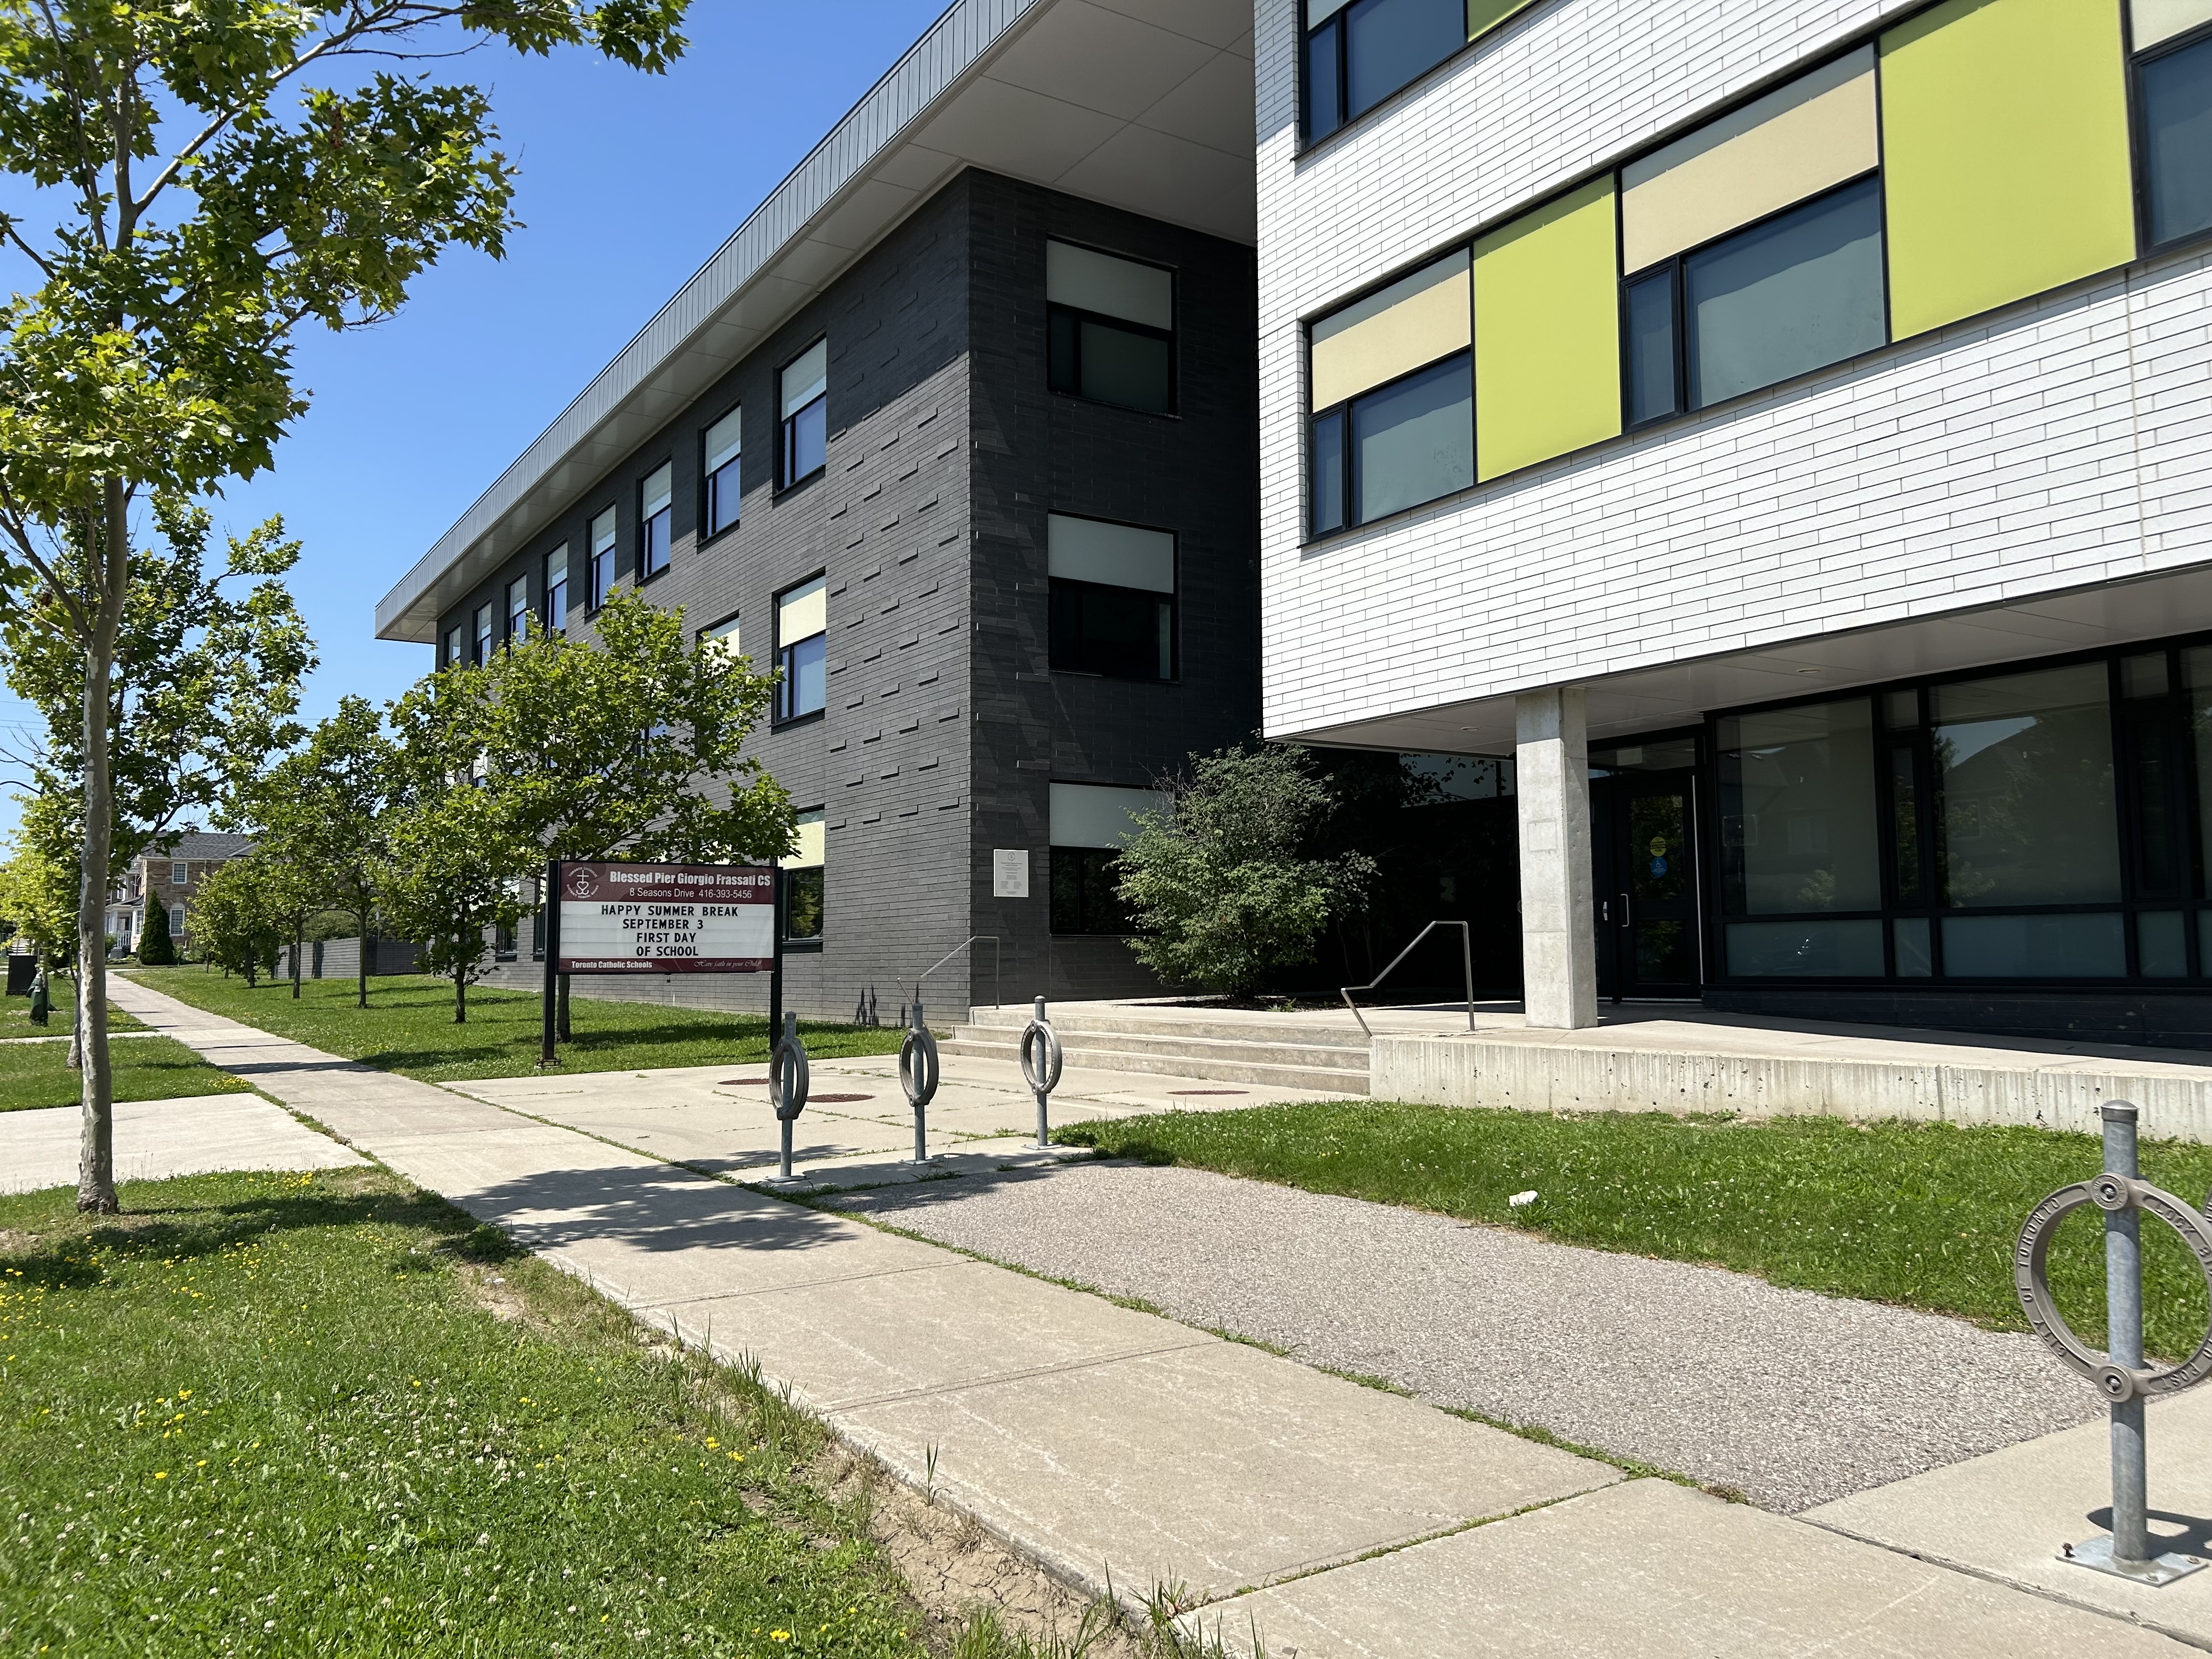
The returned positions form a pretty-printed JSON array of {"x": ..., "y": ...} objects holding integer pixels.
[{"x": 1645, "y": 856}]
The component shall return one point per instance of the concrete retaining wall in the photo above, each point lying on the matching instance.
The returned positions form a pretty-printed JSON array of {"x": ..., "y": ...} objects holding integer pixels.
[{"x": 1950, "y": 1086}]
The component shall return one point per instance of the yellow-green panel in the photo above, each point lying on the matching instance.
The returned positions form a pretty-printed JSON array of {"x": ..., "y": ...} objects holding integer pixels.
[
  {"x": 2005, "y": 162},
  {"x": 1548, "y": 333},
  {"x": 1485, "y": 15}
]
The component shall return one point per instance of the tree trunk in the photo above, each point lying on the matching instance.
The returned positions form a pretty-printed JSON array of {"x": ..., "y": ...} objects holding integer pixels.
[
  {"x": 461, "y": 1000},
  {"x": 361, "y": 996},
  {"x": 299, "y": 933},
  {"x": 96, "y": 1180},
  {"x": 560, "y": 1011}
]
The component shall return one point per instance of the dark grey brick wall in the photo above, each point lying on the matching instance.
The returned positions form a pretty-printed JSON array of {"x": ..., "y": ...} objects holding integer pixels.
[{"x": 944, "y": 726}]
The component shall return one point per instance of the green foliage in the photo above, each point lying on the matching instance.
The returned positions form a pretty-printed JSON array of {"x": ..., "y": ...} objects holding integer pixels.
[
  {"x": 36, "y": 1075},
  {"x": 632, "y": 746},
  {"x": 155, "y": 947},
  {"x": 411, "y": 1028},
  {"x": 38, "y": 883},
  {"x": 1220, "y": 883},
  {"x": 295, "y": 1392},
  {"x": 238, "y": 919},
  {"x": 1924, "y": 1214}
]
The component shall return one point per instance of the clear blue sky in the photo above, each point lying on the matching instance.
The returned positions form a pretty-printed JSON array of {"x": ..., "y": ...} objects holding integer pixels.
[{"x": 628, "y": 183}]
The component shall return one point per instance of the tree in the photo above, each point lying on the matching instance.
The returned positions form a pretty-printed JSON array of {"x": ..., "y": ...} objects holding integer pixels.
[
  {"x": 235, "y": 920},
  {"x": 631, "y": 747},
  {"x": 1217, "y": 882},
  {"x": 454, "y": 863},
  {"x": 156, "y": 948},
  {"x": 218, "y": 174},
  {"x": 37, "y": 885},
  {"x": 321, "y": 810}
]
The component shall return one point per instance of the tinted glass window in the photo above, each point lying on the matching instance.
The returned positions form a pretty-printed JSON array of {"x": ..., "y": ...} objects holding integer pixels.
[
  {"x": 1391, "y": 42},
  {"x": 805, "y": 442},
  {"x": 1797, "y": 292},
  {"x": 1123, "y": 632},
  {"x": 1084, "y": 900},
  {"x": 1096, "y": 359},
  {"x": 1652, "y": 348},
  {"x": 2177, "y": 116},
  {"x": 1324, "y": 109},
  {"x": 1329, "y": 473},
  {"x": 1414, "y": 441}
]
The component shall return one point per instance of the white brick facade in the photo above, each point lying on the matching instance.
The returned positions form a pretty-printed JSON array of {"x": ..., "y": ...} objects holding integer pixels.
[{"x": 2059, "y": 444}]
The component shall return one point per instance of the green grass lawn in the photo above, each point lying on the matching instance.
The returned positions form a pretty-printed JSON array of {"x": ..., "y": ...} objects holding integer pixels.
[
  {"x": 34, "y": 1074},
  {"x": 16, "y": 1014},
  {"x": 324, "y": 1415},
  {"x": 409, "y": 1028},
  {"x": 1921, "y": 1214}
]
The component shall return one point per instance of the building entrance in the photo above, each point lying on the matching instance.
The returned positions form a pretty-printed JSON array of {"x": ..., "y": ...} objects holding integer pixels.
[{"x": 1644, "y": 847}]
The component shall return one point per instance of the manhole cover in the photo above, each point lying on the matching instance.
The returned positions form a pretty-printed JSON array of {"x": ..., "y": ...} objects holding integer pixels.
[
  {"x": 1209, "y": 1091},
  {"x": 835, "y": 1100}
]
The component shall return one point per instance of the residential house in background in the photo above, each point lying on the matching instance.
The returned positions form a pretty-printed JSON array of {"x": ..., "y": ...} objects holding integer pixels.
[
  {"x": 1782, "y": 432},
  {"x": 958, "y": 433},
  {"x": 169, "y": 880}
]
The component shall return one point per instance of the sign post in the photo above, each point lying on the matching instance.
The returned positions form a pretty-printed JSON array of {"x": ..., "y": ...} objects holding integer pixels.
[{"x": 548, "y": 903}]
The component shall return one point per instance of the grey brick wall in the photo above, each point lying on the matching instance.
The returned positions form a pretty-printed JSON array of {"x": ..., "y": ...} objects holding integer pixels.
[{"x": 943, "y": 725}]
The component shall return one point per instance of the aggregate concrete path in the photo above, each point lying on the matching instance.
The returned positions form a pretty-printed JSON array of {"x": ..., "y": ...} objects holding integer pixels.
[
  {"x": 1101, "y": 1440},
  {"x": 1792, "y": 1398},
  {"x": 157, "y": 1139}
]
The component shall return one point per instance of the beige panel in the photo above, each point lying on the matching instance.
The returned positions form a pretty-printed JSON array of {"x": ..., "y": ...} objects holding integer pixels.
[
  {"x": 1415, "y": 320},
  {"x": 2155, "y": 21},
  {"x": 802, "y": 613},
  {"x": 813, "y": 843},
  {"x": 1817, "y": 132}
]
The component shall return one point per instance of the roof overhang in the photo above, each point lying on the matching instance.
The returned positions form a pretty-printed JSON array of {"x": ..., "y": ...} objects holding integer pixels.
[
  {"x": 1657, "y": 699},
  {"x": 1145, "y": 105}
]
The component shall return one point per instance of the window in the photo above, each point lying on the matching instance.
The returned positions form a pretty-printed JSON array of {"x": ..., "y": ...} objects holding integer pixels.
[
  {"x": 483, "y": 635},
  {"x": 1358, "y": 53},
  {"x": 655, "y": 497},
  {"x": 1089, "y": 825},
  {"x": 556, "y": 588},
  {"x": 723, "y": 448},
  {"x": 1394, "y": 392},
  {"x": 1110, "y": 324},
  {"x": 517, "y": 607},
  {"x": 806, "y": 403},
  {"x": 724, "y": 635},
  {"x": 802, "y": 622},
  {"x": 802, "y": 879},
  {"x": 603, "y": 557},
  {"x": 176, "y": 921},
  {"x": 2173, "y": 103},
  {"x": 1113, "y": 598},
  {"x": 180, "y": 874},
  {"x": 450, "y": 653},
  {"x": 1798, "y": 835}
]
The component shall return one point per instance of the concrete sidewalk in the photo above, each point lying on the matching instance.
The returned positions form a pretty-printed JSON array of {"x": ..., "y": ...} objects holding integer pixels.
[
  {"x": 155, "y": 1140},
  {"x": 1113, "y": 1444}
]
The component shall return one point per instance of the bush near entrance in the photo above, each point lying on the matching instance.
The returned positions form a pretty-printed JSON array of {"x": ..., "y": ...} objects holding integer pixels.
[{"x": 156, "y": 948}]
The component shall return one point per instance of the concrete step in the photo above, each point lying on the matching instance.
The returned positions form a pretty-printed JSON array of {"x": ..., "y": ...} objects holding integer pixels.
[
  {"x": 1251, "y": 1028},
  {"x": 1253, "y": 1068},
  {"x": 1335, "y": 1057}
]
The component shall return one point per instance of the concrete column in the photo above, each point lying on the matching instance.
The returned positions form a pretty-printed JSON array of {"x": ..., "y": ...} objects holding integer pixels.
[{"x": 1551, "y": 784}]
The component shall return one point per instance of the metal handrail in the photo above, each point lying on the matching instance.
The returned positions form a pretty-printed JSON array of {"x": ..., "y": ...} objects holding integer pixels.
[
  {"x": 1467, "y": 961},
  {"x": 973, "y": 938}
]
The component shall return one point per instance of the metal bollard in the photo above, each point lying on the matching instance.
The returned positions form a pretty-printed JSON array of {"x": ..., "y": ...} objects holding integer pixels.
[
  {"x": 918, "y": 1078},
  {"x": 1040, "y": 1063},
  {"x": 787, "y": 1082},
  {"x": 2118, "y": 1373}
]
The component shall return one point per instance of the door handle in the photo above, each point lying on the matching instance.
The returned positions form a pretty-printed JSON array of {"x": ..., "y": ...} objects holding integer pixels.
[
  {"x": 1605, "y": 909},
  {"x": 1624, "y": 910}
]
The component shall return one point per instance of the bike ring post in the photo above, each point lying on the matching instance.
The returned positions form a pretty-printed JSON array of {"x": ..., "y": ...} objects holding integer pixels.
[
  {"x": 787, "y": 1080},
  {"x": 919, "y": 1072},
  {"x": 1042, "y": 1059},
  {"x": 2118, "y": 1373}
]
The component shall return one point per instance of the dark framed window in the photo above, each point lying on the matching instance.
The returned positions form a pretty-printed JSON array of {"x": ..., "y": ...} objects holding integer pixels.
[
  {"x": 1793, "y": 293},
  {"x": 1406, "y": 442},
  {"x": 481, "y": 633},
  {"x": 556, "y": 589},
  {"x": 1357, "y": 54},
  {"x": 605, "y": 551},
  {"x": 450, "y": 652},
  {"x": 656, "y": 500},
  {"x": 1083, "y": 899},
  {"x": 1113, "y": 599},
  {"x": 723, "y": 636},
  {"x": 803, "y": 395},
  {"x": 2173, "y": 137},
  {"x": 802, "y": 643},
  {"x": 1110, "y": 328},
  {"x": 517, "y": 607},
  {"x": 721, "y": 454},
  {"x": 804, "y": 889}
]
